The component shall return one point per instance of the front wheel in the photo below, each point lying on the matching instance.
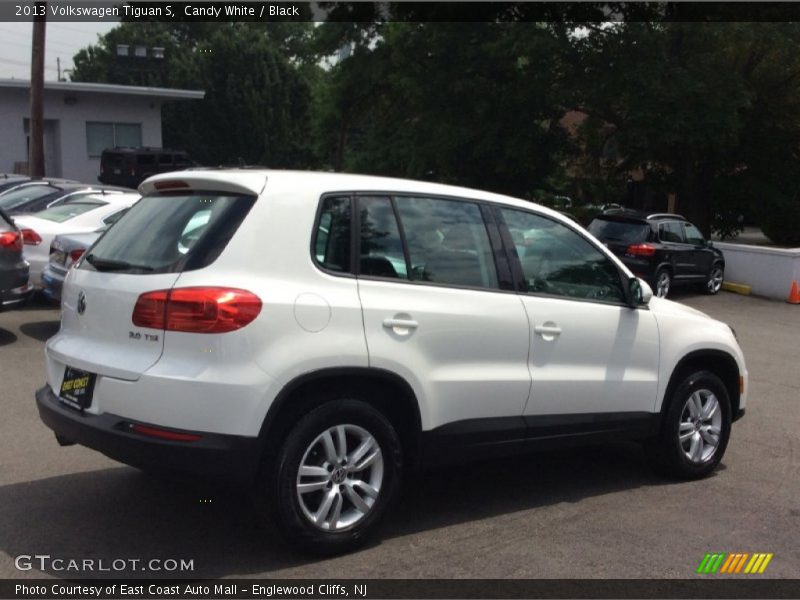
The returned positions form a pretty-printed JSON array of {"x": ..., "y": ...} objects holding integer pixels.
[
  {"x": 714, "y": 281},
  {"x": 695, "y": 429},
  {"x": 335, "y": 477},
  {"x": 662, "y": 283}
]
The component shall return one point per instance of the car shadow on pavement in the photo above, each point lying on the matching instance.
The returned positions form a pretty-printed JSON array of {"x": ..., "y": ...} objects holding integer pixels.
[
  {"x": 7, "y": 337},
  {"x": 122, "y": 513},
  {"x": 40, "y": 330}
]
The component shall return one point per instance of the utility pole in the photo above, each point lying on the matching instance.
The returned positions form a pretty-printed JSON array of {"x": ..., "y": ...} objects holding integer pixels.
[{"x": 36, "y": 130}]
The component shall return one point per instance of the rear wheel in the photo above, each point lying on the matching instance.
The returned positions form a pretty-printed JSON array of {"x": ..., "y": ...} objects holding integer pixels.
[
  {"x": 696, "y": 428},
  {"x": 334, "y": 477},
  {"x": 715, "y": 278},
  {"x": 662, "y": 283}
]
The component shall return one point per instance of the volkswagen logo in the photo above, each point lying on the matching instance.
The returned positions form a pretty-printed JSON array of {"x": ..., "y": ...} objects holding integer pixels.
[{"x": 81, "y": 302}]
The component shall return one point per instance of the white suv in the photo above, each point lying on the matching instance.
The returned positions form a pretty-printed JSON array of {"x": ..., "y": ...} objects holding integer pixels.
[{"x": 314, "y": 333}]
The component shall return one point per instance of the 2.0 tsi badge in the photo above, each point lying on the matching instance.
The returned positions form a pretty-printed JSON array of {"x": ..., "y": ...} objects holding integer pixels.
[{"x": 81, "y": 302}]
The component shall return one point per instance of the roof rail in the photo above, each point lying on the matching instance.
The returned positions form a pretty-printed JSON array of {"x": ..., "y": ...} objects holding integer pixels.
[{"x": 666, "y": 216}]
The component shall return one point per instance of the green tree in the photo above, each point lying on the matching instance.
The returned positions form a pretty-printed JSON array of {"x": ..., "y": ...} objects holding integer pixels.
[{"x": 695, "y": 105}]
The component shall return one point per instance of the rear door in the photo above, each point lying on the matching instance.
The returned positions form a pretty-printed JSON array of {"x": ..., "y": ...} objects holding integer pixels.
[
  {"x": 679, "y": 253},
  {"x": 147, "y": 250},
  {"x": 438, "y": 312}
]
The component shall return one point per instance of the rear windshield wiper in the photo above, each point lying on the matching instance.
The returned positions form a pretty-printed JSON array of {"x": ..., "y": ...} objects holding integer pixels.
[{"x": 107, "y": 264}]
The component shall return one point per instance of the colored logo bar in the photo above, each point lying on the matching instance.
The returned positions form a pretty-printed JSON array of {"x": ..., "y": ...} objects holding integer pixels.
[{"x": 736, "y": 562}]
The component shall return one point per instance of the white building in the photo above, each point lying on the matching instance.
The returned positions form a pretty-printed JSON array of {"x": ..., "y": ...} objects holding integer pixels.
[{"x": 80, "y": 120}]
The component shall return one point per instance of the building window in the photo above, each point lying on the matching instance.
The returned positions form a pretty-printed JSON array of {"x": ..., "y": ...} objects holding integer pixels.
[{"x": 100, "y": 136}]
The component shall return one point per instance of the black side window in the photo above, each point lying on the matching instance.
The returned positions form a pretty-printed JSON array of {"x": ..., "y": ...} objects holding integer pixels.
[
  {"x": 671, "y": 232},
  {"x": 693, "y": 235},
  {"x": 447, "y": 242},
  {"x": 560, "y": 262},
  {"x": 381, "y": 252},
  {"x": 332, "y": 238}
]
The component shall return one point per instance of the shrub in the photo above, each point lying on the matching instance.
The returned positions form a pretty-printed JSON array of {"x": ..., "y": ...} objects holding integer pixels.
[{"x": 780, "y": 220}]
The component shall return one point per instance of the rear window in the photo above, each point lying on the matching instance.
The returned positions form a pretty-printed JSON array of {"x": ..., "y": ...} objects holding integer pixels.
[
  {"x": 619, "y": 231},
  {"x": 66, "y": 211},
  {"x": 14, "y": 198},
  {"x": 170, "y": 233}
]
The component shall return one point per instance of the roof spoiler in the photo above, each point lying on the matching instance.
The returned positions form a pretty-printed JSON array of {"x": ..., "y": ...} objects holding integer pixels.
[{"x": 250, "y": 184}]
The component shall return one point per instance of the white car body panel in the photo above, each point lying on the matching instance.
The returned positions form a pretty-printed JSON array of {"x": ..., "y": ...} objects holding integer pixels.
[{"x": 474, "y": 355}]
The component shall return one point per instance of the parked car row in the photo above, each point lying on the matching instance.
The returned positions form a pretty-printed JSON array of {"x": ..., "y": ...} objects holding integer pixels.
[
  {"x": 312, "y": 335},
  {"x": 34, "y": 213}
]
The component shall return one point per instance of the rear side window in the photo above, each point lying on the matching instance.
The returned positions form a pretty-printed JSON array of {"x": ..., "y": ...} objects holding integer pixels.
[
  {"x": 628, "y": 232},
  {"x": 170, "y": 233},
  {"x": 381, "y": 247},
  {"x": 145, "y": 160},
  {"x": 447, "y": 242},
  {"x": 332, "y": 239}
]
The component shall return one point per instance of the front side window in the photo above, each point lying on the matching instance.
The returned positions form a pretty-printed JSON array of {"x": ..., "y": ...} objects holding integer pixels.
[
  {"x": 447, "y": 242},
  {"x": 560, "y": 262},
  {"x": 693, "y": 235},
  {"x": 671, "y": 232}
]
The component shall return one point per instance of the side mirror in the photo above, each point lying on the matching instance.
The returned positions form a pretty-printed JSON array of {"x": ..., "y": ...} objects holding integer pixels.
[{"x": 639, "y": 292}]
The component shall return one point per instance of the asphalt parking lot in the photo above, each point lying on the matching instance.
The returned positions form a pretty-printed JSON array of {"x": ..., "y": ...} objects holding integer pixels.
[{"x": 592, "y": 512}]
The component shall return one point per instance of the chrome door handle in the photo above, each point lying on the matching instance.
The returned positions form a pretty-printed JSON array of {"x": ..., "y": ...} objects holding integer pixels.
[
  {"x": 548, "y": 329},
  {"x": 400, "y": 324}
]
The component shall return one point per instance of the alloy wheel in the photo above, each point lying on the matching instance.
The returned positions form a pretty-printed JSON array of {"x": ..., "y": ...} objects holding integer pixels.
[
  {"x": 340, "y": 476},
  {"x": 662, "y": 284},
  {"x": 714, "y": 280},
  {"x": 700, "y": 426}
]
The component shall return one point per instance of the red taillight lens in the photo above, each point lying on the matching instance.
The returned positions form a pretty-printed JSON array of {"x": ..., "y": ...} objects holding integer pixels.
[
  {"x": 31, "y": 238},
  {"x": 11, "y": 239},
  {"x": 173, "y": 184},
  {"x": 165, "y": 434},
  {"x": 74, "y": 256},
  {"x": 196, "y": 309},
  {"x": 641, "y": 250}
]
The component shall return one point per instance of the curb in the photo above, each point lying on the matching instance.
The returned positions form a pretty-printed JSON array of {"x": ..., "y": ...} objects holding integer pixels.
[{"x": 738, "y": 288}]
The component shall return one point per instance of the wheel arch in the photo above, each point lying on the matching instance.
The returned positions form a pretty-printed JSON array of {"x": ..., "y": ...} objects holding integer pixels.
[
  {"x": 395, "y": 398},
  {"x": 719, "y": 362}
]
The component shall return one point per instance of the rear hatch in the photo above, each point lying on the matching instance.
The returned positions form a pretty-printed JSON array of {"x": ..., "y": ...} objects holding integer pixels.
[
  {"x": 618, "y": 233},
  {"x": 163, "y": 235}
]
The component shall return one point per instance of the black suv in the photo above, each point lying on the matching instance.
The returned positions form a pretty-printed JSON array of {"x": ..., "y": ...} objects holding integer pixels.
[
  {"x": 128, "y": 167},
  {"x": 663, "y": 249}
]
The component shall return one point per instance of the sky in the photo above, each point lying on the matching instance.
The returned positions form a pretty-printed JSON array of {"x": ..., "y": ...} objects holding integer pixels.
[{"x": 62, "y": 40}]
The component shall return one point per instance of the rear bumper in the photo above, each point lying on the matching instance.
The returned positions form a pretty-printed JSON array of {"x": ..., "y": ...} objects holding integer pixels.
[
  {"x": 15, "y": 297},
  {"x": 52, "y": 282},
  {"x": 228, "y": 457}
]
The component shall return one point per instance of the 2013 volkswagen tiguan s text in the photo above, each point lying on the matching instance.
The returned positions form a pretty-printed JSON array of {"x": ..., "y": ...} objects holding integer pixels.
[{"x": 314, "y": 333}]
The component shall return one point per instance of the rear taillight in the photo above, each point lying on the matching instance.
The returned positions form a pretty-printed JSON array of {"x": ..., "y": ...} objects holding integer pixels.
[
  {"x": 73, "y": 257},
  {"x": 31, "y": 238},
  {"x": 196, "y": 309},
  {"x": 641, "y": 250},
  {"x": 11, "y": 240}
]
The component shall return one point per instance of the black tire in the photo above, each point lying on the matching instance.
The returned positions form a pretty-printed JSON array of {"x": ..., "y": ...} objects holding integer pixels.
[
  {"x": 713, "y": 285},
  {"x": 277, "y": 489},
  {"x": 667, "y": 453},
  {"x": 661, "y": 276}
]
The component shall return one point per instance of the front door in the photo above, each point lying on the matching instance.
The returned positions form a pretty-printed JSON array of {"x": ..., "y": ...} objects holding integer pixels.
[{"x": 593, "y": 360}]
